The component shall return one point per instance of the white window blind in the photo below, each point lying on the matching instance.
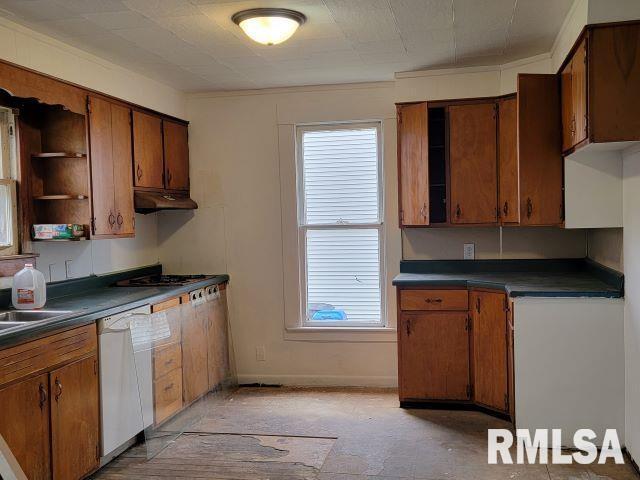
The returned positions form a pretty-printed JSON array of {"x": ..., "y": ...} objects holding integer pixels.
[{"x": 341, "y": 224}]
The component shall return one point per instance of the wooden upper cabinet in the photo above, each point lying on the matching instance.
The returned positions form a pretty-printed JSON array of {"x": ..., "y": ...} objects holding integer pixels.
[
  {"x": 433, "y": 356},
  {"x": 111, "y": 168},
  {"x": 102, "y": 171},
  {"x": 147, "y": 151},
  {"x": 75, "y": 419},
  {"x": 24, "y": 425},
  {"x": 579, "y": 92},
  {"x": 574, "y": 98},
  {"x": 473, "y": 163},
  {"x": 539, "y": 152},
  {"x": 176, "y": 155},
  {"x": 599, "y": 86},
  {"x": 508, "y": 173},
  {"x": 490, "y": 366},
  {"x": 413, "y": 164},
  {"x": 123, "y": 169}
]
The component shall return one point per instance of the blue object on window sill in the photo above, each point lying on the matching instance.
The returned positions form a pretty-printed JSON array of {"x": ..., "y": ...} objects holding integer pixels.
[{"x": 329, "y": 315}]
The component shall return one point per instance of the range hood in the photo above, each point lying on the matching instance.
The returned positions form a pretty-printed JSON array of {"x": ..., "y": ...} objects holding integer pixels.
[{"x": 149, "y": 202}]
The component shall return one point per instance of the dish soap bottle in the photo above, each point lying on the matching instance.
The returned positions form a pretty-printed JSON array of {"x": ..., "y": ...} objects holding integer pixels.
[{"x": 29, "y": 288}]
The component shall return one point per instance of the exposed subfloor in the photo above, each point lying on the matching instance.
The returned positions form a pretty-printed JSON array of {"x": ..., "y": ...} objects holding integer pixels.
[{"x": 331, "y": 434}]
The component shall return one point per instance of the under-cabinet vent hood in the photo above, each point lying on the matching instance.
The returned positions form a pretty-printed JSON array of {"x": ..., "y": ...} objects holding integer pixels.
[{"x": 149, "y": 202}]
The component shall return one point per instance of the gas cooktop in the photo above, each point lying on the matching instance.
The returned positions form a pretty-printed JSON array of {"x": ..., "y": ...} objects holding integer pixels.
[{"x": 162, "y": 280}]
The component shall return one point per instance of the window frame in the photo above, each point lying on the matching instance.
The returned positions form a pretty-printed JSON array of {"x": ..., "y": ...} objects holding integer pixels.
[
  {"x": 8, "y": 151},
  {"x": 303, "y": 227}
]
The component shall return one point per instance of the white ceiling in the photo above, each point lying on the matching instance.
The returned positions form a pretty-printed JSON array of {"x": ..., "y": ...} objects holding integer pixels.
[{"x": 193, "y": 45}]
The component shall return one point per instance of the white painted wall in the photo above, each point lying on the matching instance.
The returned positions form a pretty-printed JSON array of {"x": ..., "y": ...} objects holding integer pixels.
[{"x": 30, "y": 49}]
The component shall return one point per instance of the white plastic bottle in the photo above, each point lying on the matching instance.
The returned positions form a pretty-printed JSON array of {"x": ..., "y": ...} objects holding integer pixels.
[{"x": 29, "y": 288}]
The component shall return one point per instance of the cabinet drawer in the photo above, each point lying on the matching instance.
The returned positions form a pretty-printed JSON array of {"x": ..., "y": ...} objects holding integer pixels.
[
  {"x": 166, "y": 359},
  {"x": 44, "y": 353},
  {"x": 434, "y": 300},
  {"x": 168, "y": 395}
]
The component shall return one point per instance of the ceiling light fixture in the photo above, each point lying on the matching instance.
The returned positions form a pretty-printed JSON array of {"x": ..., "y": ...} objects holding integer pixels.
[{"x": 269, "y": 26}]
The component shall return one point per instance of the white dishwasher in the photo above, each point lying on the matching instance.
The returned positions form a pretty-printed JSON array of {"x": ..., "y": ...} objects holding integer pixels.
[{"x": 126, "y": 388}]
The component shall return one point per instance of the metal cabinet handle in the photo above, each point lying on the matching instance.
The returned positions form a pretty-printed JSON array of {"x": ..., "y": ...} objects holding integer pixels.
[
  {"x": 529, "y": 207},
  {"x": 478, "y": 304},
  {"x": 433, "y": 300},
  {"x": 505, "y": 208},
  {"x": 120, "y": 220},
  {"x": 408, "y": 326},
  {"x": 43, "y": 396},
  {"x": 112, "y": 219},
  {"x": 59, "y": 391},
  {"x": 169, "y": 177},
  {"x": 168, "y": 387},
  {"x": 458, "y": 211},
  {"x": 139, "y": 172},
  {"x": 168, "y": 362}
]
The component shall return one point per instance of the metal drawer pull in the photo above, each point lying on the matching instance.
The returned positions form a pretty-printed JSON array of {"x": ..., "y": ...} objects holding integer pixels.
[
  {"x": 59, "y": 392},
  {"x": 433, "y": 300},
  {"x": 168, "y": 387},
  {"x": 43, "y": 396},
  {"x": 168, "y": 362}
]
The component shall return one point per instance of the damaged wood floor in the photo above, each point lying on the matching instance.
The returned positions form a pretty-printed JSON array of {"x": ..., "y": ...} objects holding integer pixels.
[{"x": 328, "y": 434}]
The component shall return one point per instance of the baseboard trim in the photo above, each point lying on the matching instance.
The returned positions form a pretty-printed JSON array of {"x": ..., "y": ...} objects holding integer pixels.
[{"x": 319, "y": 380}]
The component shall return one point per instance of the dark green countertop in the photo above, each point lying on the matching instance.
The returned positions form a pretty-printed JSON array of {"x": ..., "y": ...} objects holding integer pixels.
[
  {"x": 518, "y": 278},
  {"x": 94, "y": 298}
]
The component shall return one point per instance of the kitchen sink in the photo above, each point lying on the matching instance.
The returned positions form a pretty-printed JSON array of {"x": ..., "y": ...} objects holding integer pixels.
[{"x": 16, "y": 318}]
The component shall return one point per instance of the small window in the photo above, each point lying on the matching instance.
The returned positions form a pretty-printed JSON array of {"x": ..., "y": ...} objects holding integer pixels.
[
  {"x": 8, "y": 205},
  {"x": 341, "y": 225}
]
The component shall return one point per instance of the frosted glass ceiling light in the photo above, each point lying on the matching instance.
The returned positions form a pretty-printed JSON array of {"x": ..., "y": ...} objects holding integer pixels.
[{"x": 269, "y": 26}]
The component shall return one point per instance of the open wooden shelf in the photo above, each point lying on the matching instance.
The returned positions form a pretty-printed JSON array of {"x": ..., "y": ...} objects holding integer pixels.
[
  {"x": 61, "y": 197},
  {"x": 59, "y": 155}
]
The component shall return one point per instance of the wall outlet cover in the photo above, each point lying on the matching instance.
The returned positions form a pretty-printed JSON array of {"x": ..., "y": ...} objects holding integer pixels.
[
  {"x": 261, "y": 354},
  {"x": 469, "y": 251}
]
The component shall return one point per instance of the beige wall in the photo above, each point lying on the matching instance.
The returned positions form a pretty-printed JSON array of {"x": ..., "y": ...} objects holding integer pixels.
[{"x": 30, "y": 49}]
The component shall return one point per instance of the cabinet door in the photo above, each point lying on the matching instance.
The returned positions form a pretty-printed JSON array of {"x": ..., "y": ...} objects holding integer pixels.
[
  {"x": 568, "y": 113},
  {"x": 508, "y": 175},
  {"x": 195, "y": 373},
  {"x": 579, "y": 91},
  {"x": 473, "y": 163},
  {"x": 122, "y": 170},
  {"x": 539, "y": 151},
  {"x": 147, "y": 151},
  {"x": 218, "y": 357},
  {"x": 489, "y": 349},
  {"x": 75, "y": 417},
  {"x": 176, "y": 155},
  {"x": 413, "y": 164},
  {"x": 102, "y": 171},
  {"x": 24, "y": 425},
  {"x": 433, "y": 356}
]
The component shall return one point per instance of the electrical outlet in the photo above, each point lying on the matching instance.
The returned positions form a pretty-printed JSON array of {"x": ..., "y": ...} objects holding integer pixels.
[
  {"x": 68, "y": 265},
  {"x": 261, "y": 354},
  {"x": 55, "y": 272},
  {"x": 469, "y": 251}
]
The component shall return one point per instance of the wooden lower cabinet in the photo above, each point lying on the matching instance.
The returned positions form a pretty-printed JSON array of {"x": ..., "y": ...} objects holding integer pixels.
[
  {"x": 489, "y": 326},
  {"x": 167, "y": 395},
  {"x": 50, "y": 418},
  {"x": 434, "y": 356},
  {"x": 195, "y": 371},
  {"x": 450, "y": 355},
  {"x": 75, "y": 419},
  {"x": 218, "y": 345},
  {"x": 24, "y": 424}
]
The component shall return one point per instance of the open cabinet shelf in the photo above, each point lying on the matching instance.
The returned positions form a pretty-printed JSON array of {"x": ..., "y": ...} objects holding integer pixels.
[
  {"x": 53, "y": 145},
  {"x": 59, "y": 155}
]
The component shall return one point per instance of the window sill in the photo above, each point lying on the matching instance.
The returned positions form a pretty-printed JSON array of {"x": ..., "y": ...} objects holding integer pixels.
[{"x": 342, "y": 334}]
